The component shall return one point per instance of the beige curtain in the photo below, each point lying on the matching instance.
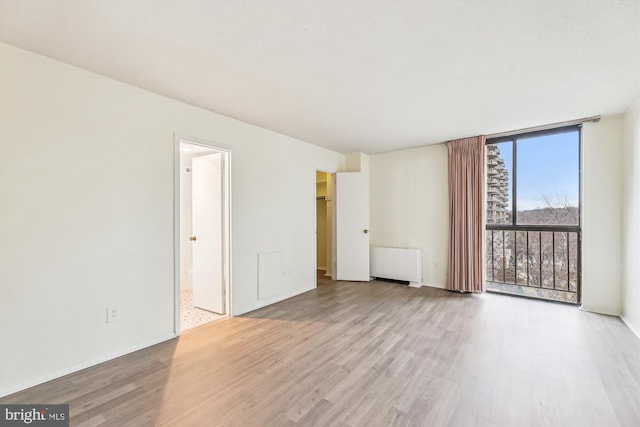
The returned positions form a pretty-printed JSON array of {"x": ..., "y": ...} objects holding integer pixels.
[{"x": 466, "y": 192}]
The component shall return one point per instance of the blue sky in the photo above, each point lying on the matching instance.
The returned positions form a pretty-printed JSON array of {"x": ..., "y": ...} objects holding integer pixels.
[{"x": 547, "y": 165}]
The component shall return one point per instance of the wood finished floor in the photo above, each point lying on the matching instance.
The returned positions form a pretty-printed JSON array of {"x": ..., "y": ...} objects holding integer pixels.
[{"x": 375, "y": 354}]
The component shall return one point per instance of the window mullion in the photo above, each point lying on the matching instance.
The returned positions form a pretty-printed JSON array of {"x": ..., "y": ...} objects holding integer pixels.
[{"x": 514, "y": 181}]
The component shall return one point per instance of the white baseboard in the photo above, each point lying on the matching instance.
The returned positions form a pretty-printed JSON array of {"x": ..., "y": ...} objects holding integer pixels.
[
  {"x": 599, "y": 311},
  {"x": 635, "y": 332},
  {"x": 433, "y": 285},
  {"x": 269, "y": 301},
  {"x": 80, "y": 366},
  {"x": 415, "y": 284}
]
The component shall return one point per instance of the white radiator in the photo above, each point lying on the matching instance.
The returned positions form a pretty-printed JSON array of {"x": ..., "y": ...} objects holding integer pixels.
[{"x": 397, "y": 264}]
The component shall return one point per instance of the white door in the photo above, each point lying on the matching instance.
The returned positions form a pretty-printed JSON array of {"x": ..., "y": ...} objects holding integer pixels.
[
  {"x": 207, "y": 232},
  {"x": 352, "y": 226}
]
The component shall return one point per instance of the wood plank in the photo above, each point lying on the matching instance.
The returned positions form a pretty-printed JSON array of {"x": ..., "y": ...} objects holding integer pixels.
[{"x": 368, "y": 354}]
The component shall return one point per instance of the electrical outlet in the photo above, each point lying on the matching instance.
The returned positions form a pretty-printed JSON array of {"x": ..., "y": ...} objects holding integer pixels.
[{"x": 113, "y": 314}]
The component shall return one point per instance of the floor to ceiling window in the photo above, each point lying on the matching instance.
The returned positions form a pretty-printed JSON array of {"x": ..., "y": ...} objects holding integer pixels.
[{"x": 533, "y": 214}]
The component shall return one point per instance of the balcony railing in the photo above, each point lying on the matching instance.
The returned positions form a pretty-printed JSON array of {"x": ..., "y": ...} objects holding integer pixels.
[{"x": 538, "y": 261}]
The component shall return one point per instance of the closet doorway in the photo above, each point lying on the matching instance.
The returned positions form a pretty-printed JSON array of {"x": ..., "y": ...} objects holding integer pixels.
[{"x": 325, "y": 261}]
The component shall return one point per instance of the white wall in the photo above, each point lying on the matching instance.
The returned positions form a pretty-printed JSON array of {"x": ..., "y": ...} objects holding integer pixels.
[
  {"x": 86, "y": 213},
  {"x": 631, "y": 218},
  {"x": 409, "y": 205},
  {"x": 356, "y": 162},
  {"x": 602, "y": 215}
]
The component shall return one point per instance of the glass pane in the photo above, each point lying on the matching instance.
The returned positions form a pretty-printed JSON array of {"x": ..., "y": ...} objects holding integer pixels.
[
  {"x": 490, "y": 256},
  {"x": 573, "y": 262},
  {"x": 499, "y": 173},
  {"x": 498, "y": 252},
  {"x": 547, "y": 182},
  {"x": 509, "y": 259},
  {"x": 561, "y": 262},
  {"x": 522, "y": 258},
  {"x": 533, "y": 258},
  {"x": 546, "y": 256}
]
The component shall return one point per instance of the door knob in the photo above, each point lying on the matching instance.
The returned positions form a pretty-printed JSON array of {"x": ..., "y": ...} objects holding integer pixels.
[
  {"x": 365, "y": 231},
  {"x": 193, "y": 238}
]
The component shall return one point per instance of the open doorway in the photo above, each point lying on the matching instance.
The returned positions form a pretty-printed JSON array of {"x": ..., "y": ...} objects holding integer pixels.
[
  {"x": 202, "y": 234},
  {"x": 324, "y": 226}
]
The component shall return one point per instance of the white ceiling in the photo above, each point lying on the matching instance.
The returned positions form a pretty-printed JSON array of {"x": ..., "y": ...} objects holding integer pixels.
[{"x": 369, "y": 76}]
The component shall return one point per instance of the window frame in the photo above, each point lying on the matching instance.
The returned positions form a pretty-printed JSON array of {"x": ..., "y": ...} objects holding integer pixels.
[{"x": 514, "y": 179}]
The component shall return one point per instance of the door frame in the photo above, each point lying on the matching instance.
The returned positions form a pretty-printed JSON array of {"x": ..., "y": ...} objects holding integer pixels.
[
  {"x": 333, "y": 223},
  {"x": 226, "y": 222}
]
